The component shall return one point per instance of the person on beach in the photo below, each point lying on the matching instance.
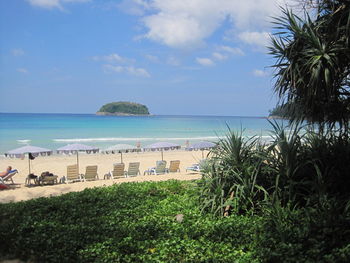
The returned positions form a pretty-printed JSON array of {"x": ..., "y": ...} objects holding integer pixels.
[
  {"x": 3, "y": 174},
  {"x": 8, "y": 170}
]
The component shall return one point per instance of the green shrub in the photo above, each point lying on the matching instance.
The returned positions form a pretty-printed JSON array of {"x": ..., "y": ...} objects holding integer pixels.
[
  {"x": 304, "y": 235},
  {"x": 232, "y": 178},
  {"x": 299, "y": 185},
  {"x": 131, "y": 222}
]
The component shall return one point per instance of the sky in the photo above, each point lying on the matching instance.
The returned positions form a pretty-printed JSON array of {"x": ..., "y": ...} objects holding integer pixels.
[{"x": 183, "y": 57}]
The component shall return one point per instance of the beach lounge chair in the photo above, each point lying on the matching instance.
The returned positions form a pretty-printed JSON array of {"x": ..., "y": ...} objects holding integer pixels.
[
  {"x": 133, "y": 170},
  {"x": 72, "y": 174},
  {"x": 118, "y": 171},
  {"x": 194, "y": 168},
  {"x": 197, "y": 166},
  {"x": 159, "y": 169},
  {"x": 9, "y": 176},
  {"x": 174, "y": 167},
  {"x": 90, "y": 173}
]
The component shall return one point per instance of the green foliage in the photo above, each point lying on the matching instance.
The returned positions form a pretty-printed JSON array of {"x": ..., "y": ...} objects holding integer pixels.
[
  {"x": 125, "y": 108},
  {"x": 231, "y": 179},
  {"x": 285, "y": 163},
  {"x": 130, "y": 222},
  {"x": 304, "y": 235},
  {"x": 299, "y": 185},
  {"x": 309, "y": 218},
  {"x": 313, "y": 63},
  {"x": 299, "y": 166},
  {"x": 330, "y": 155},
  {"x": 135, "y": 222}
]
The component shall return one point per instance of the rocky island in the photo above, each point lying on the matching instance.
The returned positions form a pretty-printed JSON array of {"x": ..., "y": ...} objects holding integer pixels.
[{"x": 123, "y": 108}]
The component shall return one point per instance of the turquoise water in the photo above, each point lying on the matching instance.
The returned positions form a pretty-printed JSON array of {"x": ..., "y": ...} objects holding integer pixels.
[{"x": 55, "y": 130}]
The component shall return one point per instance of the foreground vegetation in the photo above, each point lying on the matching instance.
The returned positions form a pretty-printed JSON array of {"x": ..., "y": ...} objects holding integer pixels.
[
  {"x": 130, "y": 222},
  {"x": 136, "y": 222},
  {"x": 298, "y": 185}
]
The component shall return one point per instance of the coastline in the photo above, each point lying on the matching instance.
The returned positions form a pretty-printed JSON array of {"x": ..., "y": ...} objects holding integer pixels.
[{"x": 104, "y": 113}]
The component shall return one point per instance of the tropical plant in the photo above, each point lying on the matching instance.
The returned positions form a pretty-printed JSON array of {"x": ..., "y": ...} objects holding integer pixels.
[
  {"x": 231, "y": 181},
  {"x": 329, "y": 156},
  {"x": 313, "y": 64},
  {"x": 284, "y": 160}
]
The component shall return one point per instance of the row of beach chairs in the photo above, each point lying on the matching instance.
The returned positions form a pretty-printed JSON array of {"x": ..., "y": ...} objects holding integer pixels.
[
  {"x": 119, "y": 171},
  {"x": 92, "y": 174}
]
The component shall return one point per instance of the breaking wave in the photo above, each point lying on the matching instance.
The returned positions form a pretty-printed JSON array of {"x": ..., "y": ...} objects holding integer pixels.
[
  {"x": 213, "y": 138},
  {"x": 23, "y": 141}
]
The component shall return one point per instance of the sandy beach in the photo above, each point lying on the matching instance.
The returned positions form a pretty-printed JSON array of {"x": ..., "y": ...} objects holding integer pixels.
[{"x": 57, "y": 164}]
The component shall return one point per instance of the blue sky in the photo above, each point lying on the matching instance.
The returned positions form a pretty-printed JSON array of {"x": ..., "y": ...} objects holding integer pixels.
[{"x": 192, "y": 57}]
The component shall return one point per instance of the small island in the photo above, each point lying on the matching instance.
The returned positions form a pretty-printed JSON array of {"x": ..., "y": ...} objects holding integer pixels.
[{"x": 123, "y": 108}]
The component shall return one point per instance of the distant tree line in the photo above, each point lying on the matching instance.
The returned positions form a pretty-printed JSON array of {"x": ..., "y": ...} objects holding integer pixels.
[{"x": 287, "y": 111}]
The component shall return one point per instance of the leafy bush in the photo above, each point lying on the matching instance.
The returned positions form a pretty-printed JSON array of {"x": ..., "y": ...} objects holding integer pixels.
[
  {"x": 299, "y": 166},
  {"x": 299, "y": 185},
  {"x": 304, "y": 235},
  {"x": 135, "y": 222},
  {"x": 130, "y": 222}
]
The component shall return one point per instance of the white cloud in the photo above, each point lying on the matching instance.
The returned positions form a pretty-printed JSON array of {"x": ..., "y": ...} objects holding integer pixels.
[
  {"x": 182, "y": 23},
  {"x": 259, "y": 39},
  {"x": 219, "y": 56},
  {"x": 187, "y": 23},
  {"x": 51, "y": 4},
  {"x": 120, "y": 64},
  {"x": 152, "y": 58},
  {"x": 113, "y": 58},
  {"x": 134, "y": 7},
  {"x": 48, "y": 4},
  {"x": 140, "y": 72},
  {"x": 17, "y": 52},
  {"x": 259, "y": 73},
  {"x": 231, "y": 50},
  {"x": 22, "y": 70},
  {"x": 205, "y": 61}
]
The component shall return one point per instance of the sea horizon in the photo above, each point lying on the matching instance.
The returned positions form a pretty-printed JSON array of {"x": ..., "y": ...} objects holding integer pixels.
[{"x": 185, "y": 115}]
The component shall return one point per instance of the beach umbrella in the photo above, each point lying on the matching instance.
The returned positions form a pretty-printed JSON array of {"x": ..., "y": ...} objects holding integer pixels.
[
  {"x": 120, "y": 148},
  {"x": 76, "y": 148},
  {"x": 202, "y": 145},
  {"x": 32, "y": 152},
  {"x": 162, "y": 146}
]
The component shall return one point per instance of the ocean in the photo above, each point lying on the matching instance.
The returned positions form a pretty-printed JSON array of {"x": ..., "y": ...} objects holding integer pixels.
[{"x": 55, "y": 130}]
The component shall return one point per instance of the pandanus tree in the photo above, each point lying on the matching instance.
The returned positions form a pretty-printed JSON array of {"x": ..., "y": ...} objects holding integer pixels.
[{"x": 313, "y": 63}]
